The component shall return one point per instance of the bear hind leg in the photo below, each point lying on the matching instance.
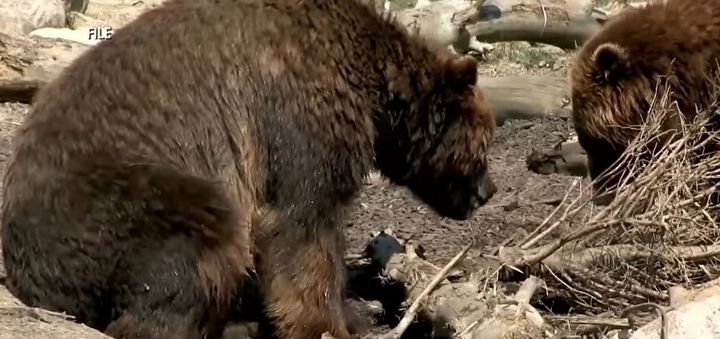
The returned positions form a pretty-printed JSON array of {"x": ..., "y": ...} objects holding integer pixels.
[
  {"x": 163, "y": 295},
  {"x": 130, "y": 326}
]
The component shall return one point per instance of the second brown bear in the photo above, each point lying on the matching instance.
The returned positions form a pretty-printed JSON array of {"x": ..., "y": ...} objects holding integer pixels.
[{"x": 615, "y": 75}]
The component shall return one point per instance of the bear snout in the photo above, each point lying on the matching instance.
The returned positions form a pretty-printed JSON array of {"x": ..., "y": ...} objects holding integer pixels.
[{"x": 487, "y": 189}]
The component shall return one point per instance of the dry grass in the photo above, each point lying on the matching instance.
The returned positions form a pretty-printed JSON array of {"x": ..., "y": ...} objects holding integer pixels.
[
  {"x": 399, "y": 5},
  {"x": 660, "y": 231},
  {"x": 528, "y": 56}
]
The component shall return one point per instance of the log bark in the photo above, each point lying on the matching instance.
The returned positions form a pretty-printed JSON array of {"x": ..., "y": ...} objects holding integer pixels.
[
  {"x": 35, "y": 59},
  {"x": 26, "y": 64},
  {"x": 526, "y": 97},
  {"x": 21, "y": 91},
  {"x": 434, "y": 22},
  {"x": 562, "y": 23}
]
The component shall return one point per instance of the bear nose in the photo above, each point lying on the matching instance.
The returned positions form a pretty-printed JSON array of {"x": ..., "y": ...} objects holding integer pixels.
[{"x": 487, "y": 188}]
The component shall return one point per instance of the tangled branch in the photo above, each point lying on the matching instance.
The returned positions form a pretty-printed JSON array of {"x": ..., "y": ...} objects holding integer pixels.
[{"x": 658, "y": 232}]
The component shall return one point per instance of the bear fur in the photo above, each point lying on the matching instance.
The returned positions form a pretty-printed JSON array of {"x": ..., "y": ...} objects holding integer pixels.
[
  {"x": 642, "y": 51},
  {"x": 209, "y": 143}
]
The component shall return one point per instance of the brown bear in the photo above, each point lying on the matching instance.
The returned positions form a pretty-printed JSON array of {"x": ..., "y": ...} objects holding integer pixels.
[
  {"x": 213, "y": 142},
  {"x": 616, "y": 74}
]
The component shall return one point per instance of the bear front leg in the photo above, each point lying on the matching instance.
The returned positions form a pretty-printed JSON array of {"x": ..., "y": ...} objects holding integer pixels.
[{"x": 303, "y": 282}]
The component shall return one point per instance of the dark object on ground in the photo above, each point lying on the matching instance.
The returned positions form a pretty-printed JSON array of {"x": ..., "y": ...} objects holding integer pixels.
[{"x": 76, "y": 5}]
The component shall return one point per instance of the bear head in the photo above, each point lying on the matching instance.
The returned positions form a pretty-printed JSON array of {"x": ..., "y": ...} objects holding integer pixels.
[
  {"x": 610, "y": 99},
  {"x": 664, "y": 48},
  {"x": 438, "y": 135}
]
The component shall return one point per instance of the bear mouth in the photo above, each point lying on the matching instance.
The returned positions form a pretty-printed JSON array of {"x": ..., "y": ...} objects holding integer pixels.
[{"x": 457, "y": 198}]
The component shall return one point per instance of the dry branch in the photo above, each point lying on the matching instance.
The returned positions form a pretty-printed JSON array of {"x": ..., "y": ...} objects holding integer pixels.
[
  {"x": 658, "y": 232},
  {"x": 586, "y": 325},
  {"x": 459, "y": 309}
]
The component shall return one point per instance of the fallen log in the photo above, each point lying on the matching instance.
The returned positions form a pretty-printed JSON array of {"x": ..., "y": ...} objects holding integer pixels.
[
  {"x": 434, "y": 22},
  {"x": 526, "y": 97},
  {"x": 565, "y": 24},
  {"x": 26, "y": 64},
  {"x": 35, "y": 59},
  {"x": 18, "y": 90}
]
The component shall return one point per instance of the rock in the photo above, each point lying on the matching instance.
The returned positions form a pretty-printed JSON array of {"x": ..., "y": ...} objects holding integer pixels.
[
  {"x": 20, "y": 321},
  {"x": 19, "y": 17},
  {"x": 696, "y": 319}
]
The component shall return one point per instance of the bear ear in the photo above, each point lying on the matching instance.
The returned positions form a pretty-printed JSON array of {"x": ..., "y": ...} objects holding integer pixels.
[
  {"x": 460, "y": 71},
  {"x": 611, "y": 60}
]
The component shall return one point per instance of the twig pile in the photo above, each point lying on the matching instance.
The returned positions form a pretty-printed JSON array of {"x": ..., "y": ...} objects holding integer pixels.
[{"x": 659, "y": 232}]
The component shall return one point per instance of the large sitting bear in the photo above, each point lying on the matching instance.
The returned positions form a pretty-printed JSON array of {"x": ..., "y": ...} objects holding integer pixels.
[
  {"x": 214, "y": 141},
  {"x": 615, "y": 76}
]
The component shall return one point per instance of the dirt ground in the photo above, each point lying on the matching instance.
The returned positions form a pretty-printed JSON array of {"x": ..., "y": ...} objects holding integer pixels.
[{"x": 384, "y": 206}]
